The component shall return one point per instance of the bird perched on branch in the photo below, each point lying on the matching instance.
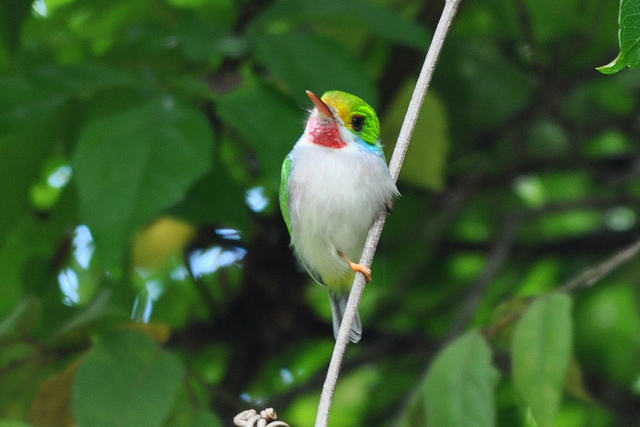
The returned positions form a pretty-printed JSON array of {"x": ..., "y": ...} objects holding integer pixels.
[{"x": 334, "y": 183}]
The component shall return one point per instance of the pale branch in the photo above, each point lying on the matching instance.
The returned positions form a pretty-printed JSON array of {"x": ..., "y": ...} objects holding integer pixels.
[
  {"x": 408, "y": 126},
  {"x": 586, "y": 279},
  {"x": 593, "y": 275}
]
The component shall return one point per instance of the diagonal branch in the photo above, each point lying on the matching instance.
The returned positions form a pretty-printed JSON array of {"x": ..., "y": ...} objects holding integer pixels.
[
  {"x": 409, "y": 124},
  {"x": 593, "y": 275},
  {"x": 586, "y": 279}
]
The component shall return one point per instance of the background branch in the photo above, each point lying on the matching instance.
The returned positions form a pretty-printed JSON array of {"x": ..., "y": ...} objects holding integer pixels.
[
  {"x": 587, "y": 278},
  {"x": 593, "y": 275}
]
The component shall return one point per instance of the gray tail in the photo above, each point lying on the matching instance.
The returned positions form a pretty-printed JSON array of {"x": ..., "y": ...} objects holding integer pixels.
[{"x": 338, "y": 305}]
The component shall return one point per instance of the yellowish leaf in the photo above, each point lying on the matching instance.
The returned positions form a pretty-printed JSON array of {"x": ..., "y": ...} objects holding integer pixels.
[
  {"x": 165, "y": 237},
  {"x": 424, "y": 164},
  {"x": 52, "y": 404},
  {"x": 158, "y": 331}
]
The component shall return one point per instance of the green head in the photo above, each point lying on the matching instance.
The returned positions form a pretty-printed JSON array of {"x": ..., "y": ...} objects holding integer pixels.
[{"x": 356, "y": 114}]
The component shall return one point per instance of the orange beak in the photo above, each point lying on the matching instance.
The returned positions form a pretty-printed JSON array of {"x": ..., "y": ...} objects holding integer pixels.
[{"x": 320, "y": 105}]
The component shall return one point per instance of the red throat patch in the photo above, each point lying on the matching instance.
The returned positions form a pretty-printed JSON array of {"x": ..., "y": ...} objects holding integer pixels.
[{"x": 325, "y": 133}]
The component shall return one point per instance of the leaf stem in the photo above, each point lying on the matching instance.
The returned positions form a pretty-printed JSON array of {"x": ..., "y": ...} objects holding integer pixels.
[{"x": 408, "y": 126}]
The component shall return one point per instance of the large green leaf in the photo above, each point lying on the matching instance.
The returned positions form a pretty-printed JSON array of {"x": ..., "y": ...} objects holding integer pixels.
[
  {"x": 628, "y": 38},
  {"x": 21, "y": 321},
  {"x": 205, "y": 419},
  {"x": 480, "y": 85},
  {"x": 21, "y": 158},
  {"x": 458, "y": 390},
  {"x": 424, "y": 165},
  {"x": 541, "y": 349},
  {"x": 104, "y": 22},
  {"x": 26, "y": 103},
  {"x": 32, "y": 128},
  {"x": 216, "y": 198},
  {"x": 383, "y": 22},
  {"x": 22, "y": 234},
  {"x": 75, "y": 329},
  {"x": 83, "y": 79},
  {"x": 12, "y": 16},
  {"x": 14, "y": 423},
  {"x": 133, "y": 164},
  {"x": 307, "y": 62},
  {"x": 126, "y": 380},
  {"x": 556, "y": 19},
  {"x": 610, "y": 348},
  {"x": 199, "y": 38},
  {"x": 268, "y": 121}
]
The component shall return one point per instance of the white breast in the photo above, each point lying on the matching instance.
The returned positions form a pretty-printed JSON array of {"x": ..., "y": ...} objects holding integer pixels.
[{"x": 335, "y": 194}]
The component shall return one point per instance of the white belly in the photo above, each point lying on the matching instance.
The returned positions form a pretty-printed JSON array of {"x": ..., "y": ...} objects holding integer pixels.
[{"x": 335, "y": 195}]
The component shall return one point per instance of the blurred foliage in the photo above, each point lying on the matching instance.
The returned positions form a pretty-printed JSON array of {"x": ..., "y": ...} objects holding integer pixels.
[{"x": 146, "y": 274}]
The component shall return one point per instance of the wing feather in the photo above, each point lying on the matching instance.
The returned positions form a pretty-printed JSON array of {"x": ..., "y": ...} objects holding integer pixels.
[
  {"x": 284, "y": 196},
  {"x": 285, "y": 173}
]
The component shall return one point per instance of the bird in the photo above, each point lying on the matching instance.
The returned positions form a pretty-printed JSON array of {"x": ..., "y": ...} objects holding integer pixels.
[{"x": 334, "y": 183}]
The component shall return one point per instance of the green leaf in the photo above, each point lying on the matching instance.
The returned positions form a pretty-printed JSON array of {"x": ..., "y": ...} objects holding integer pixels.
[
  {"x": 14, "y": 423},
  {"x": 215, "y": 199},
  {"x": 458, "y": 390},
  {"x": 628, "y": 38},
  {"x": 126, "y": 380},
  {"x": 199, "y": 38},
  {"x": 204, "y": 419},
  {"x": 460, "y": 383},
  {"x": 28, "y": 102},
  {"x": 551, "y": 21},
  {"x": 22, "y": 374},
  {"x": 424, "y": 165},
  {"x": 269, "y": 122},
  {"x": 80, "y": 79},
  {"x": 480, "y": 85},
  {"x": 31, "y": 100},
  {"x": 541, "y": 349},
  {"x": 104, "y": 22},
  {"x": 381, "y": 21},
  {"x": 22, "y": 235},
  {"x": 132, "y": 165},
  {"x": 12, "y": 16},
  {"x": 77, "y": 328},
  {"x": 22, "y": 320},
  {"x": 21, "y": 158},
  {"x": 611, "y": 348},
  {"x": 308, "y": 62}
]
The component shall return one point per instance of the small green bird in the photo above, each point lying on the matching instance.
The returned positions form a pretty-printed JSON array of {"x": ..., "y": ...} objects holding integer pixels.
[{"x": 334, "y": 183}]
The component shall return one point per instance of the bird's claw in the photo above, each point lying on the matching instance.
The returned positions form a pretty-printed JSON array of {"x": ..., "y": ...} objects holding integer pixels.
[{"x": 358, "y": 268}]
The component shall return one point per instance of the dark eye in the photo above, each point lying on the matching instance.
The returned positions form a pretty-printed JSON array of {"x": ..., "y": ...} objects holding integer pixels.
[{"x": 357, "y": 122}]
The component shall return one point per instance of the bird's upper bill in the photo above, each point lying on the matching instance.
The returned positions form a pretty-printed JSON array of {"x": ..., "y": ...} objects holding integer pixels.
[
  {"x": 324, "y": 128},
  {"x": 320, "y": 105}
]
